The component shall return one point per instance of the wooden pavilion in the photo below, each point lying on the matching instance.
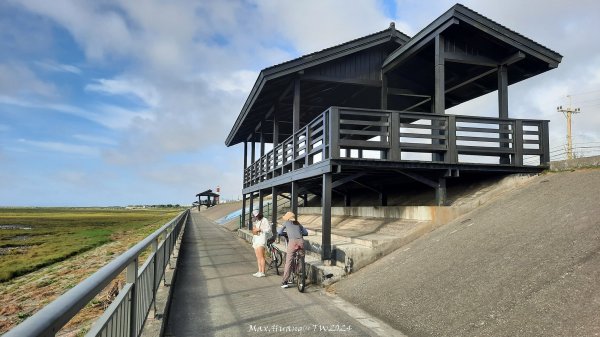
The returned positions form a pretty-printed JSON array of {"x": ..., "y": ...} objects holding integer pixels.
[
  {"x": 371, "y": 113},
  {"x": 207, "y": 201}
]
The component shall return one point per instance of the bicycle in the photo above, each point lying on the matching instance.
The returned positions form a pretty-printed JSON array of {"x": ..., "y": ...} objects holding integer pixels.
[
  {"x": 298, "y": 270},
  {"x": 274, "y": 256}
]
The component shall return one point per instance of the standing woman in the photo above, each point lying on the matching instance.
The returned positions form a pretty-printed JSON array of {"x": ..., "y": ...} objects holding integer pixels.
[
  {"x": 294, "y": 231},
  {"x": 260, "y": 229}
]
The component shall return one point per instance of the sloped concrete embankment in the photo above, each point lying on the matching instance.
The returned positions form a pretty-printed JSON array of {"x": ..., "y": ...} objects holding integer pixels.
[{"x": 525, "y": 264}]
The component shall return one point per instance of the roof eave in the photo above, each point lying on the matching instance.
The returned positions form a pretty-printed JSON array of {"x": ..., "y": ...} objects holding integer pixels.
[
  {"x": 304, "y": 62},
  {"x": 461, "y": 13}
]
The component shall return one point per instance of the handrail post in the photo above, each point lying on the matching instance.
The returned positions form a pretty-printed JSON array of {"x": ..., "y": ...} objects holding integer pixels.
[
  {"x": 155, "y": 280},
  {"x": 544, "y": 143},
  {"x": 518, "y": 143},
  {"x": 334, "y": 133},
  {"x": 451, "y": 154},
  {"x": 166, "y": 257},
  {"x": 394, "y": 132},
  {"x": 131, "y": 276}
]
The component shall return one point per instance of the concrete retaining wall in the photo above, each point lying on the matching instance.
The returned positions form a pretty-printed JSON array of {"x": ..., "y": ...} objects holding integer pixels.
[
  {"x": 435, "y": 214},
  {"x": 575, "y": 163}
]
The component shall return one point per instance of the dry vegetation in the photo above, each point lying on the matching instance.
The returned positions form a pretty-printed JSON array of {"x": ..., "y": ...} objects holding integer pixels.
[{"x": 22, "y": 296}]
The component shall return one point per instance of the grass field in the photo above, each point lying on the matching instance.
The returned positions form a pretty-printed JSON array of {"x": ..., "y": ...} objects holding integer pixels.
[{"x": 32, "y": 238}]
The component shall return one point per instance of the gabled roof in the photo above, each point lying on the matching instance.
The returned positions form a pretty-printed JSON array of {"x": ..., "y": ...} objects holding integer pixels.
[
  {"x": 311, "y": 60},
  {"x": 207, "y": 193},
  {"x": 459, "y": 13}
]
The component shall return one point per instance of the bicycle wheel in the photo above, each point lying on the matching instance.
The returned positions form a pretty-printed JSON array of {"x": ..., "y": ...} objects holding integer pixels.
[
  {"x": 277, "y": 258},
  {"x": 268, "y": 259},
  {"x": 301, "y": 274}
]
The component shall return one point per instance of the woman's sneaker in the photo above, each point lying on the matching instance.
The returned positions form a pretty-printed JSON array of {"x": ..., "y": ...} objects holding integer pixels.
[
  {"x": 261, "y": 275},
  {"x": 256, "y": 274},
  {"x": 285, "y": 285}
]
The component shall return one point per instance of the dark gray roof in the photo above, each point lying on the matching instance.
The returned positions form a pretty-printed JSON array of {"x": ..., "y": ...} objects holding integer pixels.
[
  {"x": 311, "y": 60},
  {"x": 463, "y": 13},
  {"x": 207, "y": 193}
]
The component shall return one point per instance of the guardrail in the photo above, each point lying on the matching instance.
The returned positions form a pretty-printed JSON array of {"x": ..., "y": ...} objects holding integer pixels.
[
  {"x": 401, "y": 136},
  {"x": 128, "y": 312}
]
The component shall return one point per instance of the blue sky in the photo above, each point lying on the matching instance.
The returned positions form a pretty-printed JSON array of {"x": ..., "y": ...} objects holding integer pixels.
[{"x": 121, "y": 102}]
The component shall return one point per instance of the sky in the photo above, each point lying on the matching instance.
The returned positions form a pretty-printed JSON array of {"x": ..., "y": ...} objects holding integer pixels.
[{"x": 121, "y": 102}]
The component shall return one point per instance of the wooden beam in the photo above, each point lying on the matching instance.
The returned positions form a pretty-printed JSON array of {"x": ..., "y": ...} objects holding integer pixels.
[
  {"x": 419, "y": 178},
  {"x": 342, "y": 181},
  {"x": 415, "y": 45},
  {"x": 418, "y": 104},
  {"x": 471, "y": 80},
  {"x": 353, "y": 81},
  {"x": 367, "y": 187},
  {"x": 405, "y": 92},
  {"x": 470, "y": 59},
  {"x": 518, "y": 56}
]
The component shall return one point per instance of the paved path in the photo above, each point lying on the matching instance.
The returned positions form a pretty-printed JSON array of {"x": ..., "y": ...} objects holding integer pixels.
[{"x": 215, "y": 294}]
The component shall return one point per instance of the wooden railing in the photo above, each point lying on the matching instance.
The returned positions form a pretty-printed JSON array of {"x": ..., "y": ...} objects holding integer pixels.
[{"x": 398, "y": 136}]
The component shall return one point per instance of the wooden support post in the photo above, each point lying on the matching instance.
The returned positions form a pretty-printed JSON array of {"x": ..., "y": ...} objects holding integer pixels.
[
  {"x": 261, "y": 198},
  {"x": 251, "y": 209},
  {"x": 439, "y": 105},
  {"x": 384, "y": 92},
  {"x": 295, "y": 120},
  {"x": 440, "y": 192},
  {"x": 243, "y": 211},
  {"x": 503, "y": 109},
  {"x": 294, "y": 197},
  {"x": 275, "y": 129},
  {"x": 347, "y": 199},
  {"x": 383, "y": 199},
  {"x": 326, "y": 218},
  {"x": 274, "y": 210},
  {"x": 262, "y": 141}
]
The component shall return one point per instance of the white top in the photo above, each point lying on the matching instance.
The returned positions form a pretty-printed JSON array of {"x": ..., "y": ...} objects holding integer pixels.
[{"x": 261, "y": 238}]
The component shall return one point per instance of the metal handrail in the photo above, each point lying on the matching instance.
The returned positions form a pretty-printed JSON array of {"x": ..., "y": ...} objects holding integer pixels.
[{"x": 50, "y": 319}]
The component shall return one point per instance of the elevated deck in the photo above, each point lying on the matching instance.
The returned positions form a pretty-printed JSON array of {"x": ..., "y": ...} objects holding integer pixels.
[{"x": 350, "y": 143}]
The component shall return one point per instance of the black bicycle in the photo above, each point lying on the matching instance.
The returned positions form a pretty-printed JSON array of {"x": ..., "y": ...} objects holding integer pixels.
[
  {"x": 274, "y": 257},
  {"x": 298, "y": 270}
]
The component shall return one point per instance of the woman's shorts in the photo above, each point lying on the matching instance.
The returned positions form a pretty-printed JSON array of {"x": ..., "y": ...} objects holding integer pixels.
[{"x": 258, "y": 241}]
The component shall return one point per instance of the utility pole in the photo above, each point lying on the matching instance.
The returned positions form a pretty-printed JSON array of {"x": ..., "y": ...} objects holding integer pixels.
[{"x": 567, "y": 113}]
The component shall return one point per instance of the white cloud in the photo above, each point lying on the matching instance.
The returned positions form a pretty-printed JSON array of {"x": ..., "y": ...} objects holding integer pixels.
[
  {"x": 137, "y": 88},
  {"x": 61, "y": 147},
  {"x": 240, "y": 81},
  {"x": 16, "y": 79},
  {"x": 314, "y": 25},
  {"x": 56, "y": 67},
  {"x": 95, "y": 139}
]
